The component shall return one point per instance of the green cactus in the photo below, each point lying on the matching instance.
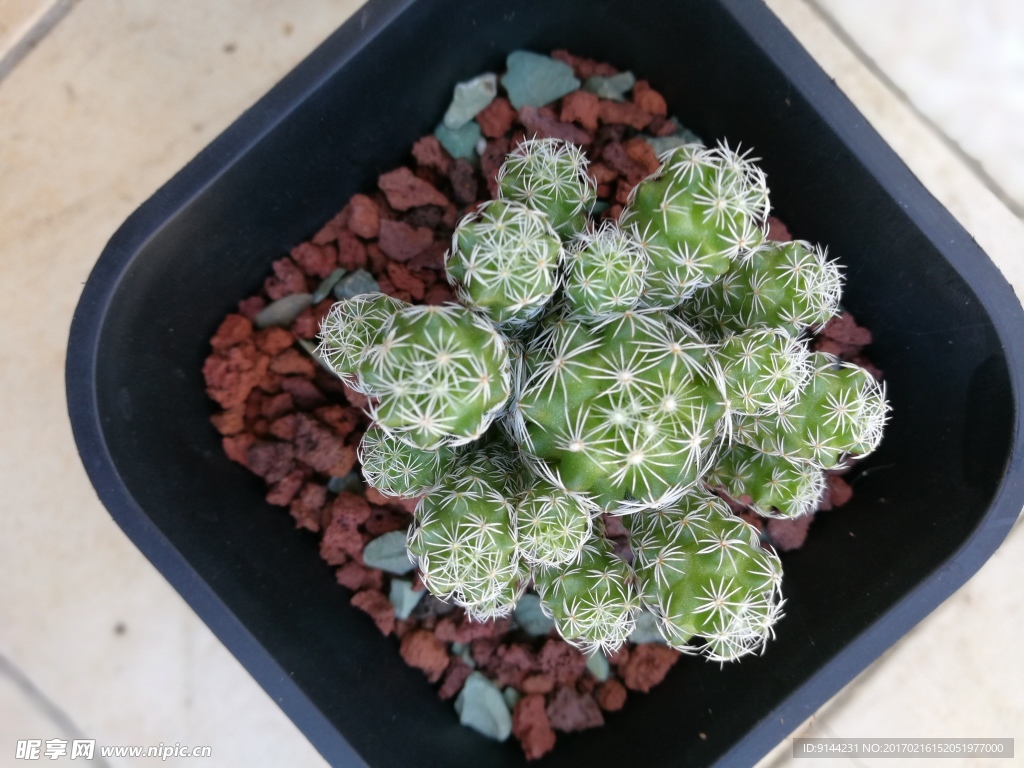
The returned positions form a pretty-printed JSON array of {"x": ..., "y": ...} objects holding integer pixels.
[
  {"x": 463, "y": 539},
  {"x": 352, "y": 327},
  {"x": 395, "y": 468},
  {"x": 791, "y": 286},
  {"x": 703, "y": 573},
  {"x": 592, "y": 600},
  {"x": 698, "y": 214},
  {"x": 840, "y": 412},
  {"x": 504, "y": 262},
  {"x": 773, "y": 486},
  {"x": 553, "y": 525},
  {"x": 764, "y": 368},
  {"x": 604, "y": 272},
  {"x": 550, "y": 176},
  {"x": 625, "y": 411}
]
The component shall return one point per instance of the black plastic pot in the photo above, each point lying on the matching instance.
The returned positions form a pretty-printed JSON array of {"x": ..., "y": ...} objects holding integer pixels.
[{"x": 930, "y": 507}]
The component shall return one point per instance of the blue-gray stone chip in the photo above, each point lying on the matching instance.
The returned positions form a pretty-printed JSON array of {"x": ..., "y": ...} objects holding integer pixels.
[
  {"x": 470, "y": 97},
  {"x": 534, "y": 80},
  {"x": 283, "y": 311},
  {"x": 388, "y": 553},
  {"x": 614, "y": 87},
  {"x": 460, "y": 143},
  {"x": 404, "y": 597},
  {"x": 531, "y": 618},
  {"x": 351, "y": 482},
  {"x": 598, "y": 666},
  {"x": 355, "y": 284},
  {"x": 327, "y": 284},
  {"x": 482, "y": 707},
  {"x": 646, "y": 629}
]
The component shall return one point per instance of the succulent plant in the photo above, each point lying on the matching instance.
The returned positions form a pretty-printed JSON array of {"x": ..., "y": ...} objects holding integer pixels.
[
  {"x": 704, "y": 574},
  {"x": 550, "y": 176},
  {"x": 632, "y": 371},
  {"x": 696, "y": 216},
  {"x": 504, "y": 262}
]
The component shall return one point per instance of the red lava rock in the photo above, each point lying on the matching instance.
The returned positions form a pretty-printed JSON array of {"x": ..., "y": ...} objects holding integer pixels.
[
  {"x": 839, "y": 490},
  {"x": 483, "y": 651},
  {"x": 401, "y": 242},
  {"x": 454, "y": 678},
  {"x": 789, "y": 534},
  {"x": 422, "y": 650},
  {"x": 286, "y": 280},
  {"x": 614, "y": 212},
  {"x": 378, "y": 606},
  {"x": 611, "y": 695},
  {"x": 270, "y": 382},
  {"x": 844, "y": 329},
  {"x": 463, "y": 180},
  {"x": 386, "y": 519},
  {"x": 459, "y": 629},
  {"x": 283, "y": 491},
  {"x": 364, "y": 216},
  {"x": 661, "y": 126},
  {"x": 602, "y": 173},
  {"x": 562, "y": 661},
  {"x": 404, "y": 281},
  {"x": 233, "y": 330},
  {"x": 778, "y": 231},
  {"x": 530, "y": 724},
  {"x": 305, "y": 393},
  {"x": 514, "y": 662},
  {"x": 349, "y": 507},
  {"x": 376, "y": 497},
  {"x": 233, "y": 373},
  {"x": 356, "y": 399},
  {"x": 624, "y": 113},
  {"x": 614, "y": 526},
  {"x": 274, "y": 340},
  {"x": 352, "y": 254},
  {"x": 643, "y": 153},
  {"x": 615, "y": 155},
  {"x": 229, "y": 422},
  {"x": 438, "y": 294},
  {"x": 582, "y": 108},
  {"x": 356, "y": 576},
  {"x": 341, "y": 541},
  {"x": 570, "y": 710},
  {"x": 315, "y": 260},
  {"x": 751, "y": 517},
  {"x": 252, "y": 306},
  {"x": 329, "y": 232},
  {"x": 405, "y": 190},
  {"x": 291, "y": 361},
  {"x": 271, "y": 460},
  {"x": 431, "y": 258},
  {"x": 307, "y": 508},
  {"x": 622, "y": 190},
  {"x": 283, "y": 428},
  {"x": 539, "y": 683},
  {"x": 495, "y": 120},
  {"x": 307, "y": 324},
  {"x": 236, "y": 447},
  {"x": 276, "y": 406},
  {"x": 648, "y": 99},
  {"x": 584, "y": 68},
  {"x": 491, "y": 161},
  {"x": 429, "y": 152},
  {"x": 318, "y": 446},
  {"x": 647, "y": 666},
  {"x": 868, "y": 366},
  {"x": 542, "y": 124}
]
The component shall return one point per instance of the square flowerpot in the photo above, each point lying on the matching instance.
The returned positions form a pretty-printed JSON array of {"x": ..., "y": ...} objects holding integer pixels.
[{"x": 930, "y": 507}]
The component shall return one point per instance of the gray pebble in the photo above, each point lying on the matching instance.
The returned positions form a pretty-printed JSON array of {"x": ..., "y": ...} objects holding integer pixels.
[
  {"x": 355, "y": 284},
  {"x": 512, "y": 697},
  {"x": 597, "y": 664},
  {"x": 351, "y": 482},
  {"x": 646, "y": 630},
  {"x": 614, "y": 87},
  {"x": 388, "y": 553},
  {"x": 460, "y": 143},
  {"x": 404, "y": 597},
  {"x": 283, "y": 311},
  {"x": 535, "y": 80},
  {"x": 470, "y": 97},
  {"x": 482, "y": 707},
  {"x": 531, "y": 618},
  {"x": 327, "y": 284}
]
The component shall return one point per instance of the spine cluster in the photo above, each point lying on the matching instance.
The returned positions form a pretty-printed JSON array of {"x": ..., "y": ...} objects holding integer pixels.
[{"x": 631, "y": 368}]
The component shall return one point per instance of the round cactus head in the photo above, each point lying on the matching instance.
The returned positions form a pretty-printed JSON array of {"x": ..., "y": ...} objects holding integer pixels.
[
  {"x": 396, "y": 468},
  {"x": 763, "y": 368},
  {"x": 442, "y": 375},
  {"x": 592, "y": 599},
  {"x": 553, "y": 525},
  {"x": 840, "y": 412},
  {"x": 352, "y": 327},
  {"x": 625, "y": 411},
  {"x": 773, "y": 486},
  {"x": 463, "y": 538},
  {"x": 703, "y": 573},
  {"x": 604, "y": 272},
  {"x": 504, "y": 262},
  {"x": 550, "y": 176},
  {"x": 700, "y": 212}
]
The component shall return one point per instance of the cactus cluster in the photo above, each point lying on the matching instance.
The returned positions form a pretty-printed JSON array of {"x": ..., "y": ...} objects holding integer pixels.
[{"x": 636, "y": 368}]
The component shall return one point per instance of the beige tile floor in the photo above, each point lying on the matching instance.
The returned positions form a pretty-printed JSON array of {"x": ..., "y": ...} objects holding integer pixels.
[{"x": 117, "y": 96}]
